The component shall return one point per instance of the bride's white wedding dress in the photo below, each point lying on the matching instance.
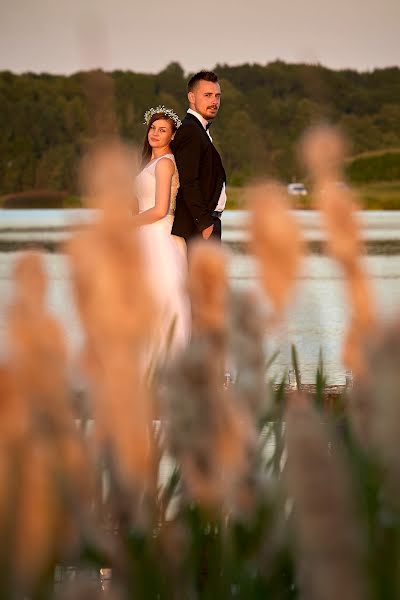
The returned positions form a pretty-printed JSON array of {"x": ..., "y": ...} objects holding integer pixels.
[{"x": 166, "y": 265}]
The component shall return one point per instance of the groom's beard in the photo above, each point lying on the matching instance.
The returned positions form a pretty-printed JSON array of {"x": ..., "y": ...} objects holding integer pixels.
[{"x": 214, "y": 109}]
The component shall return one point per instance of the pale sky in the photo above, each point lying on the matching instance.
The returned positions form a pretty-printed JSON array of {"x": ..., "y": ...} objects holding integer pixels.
[{"x": 65, "y": 36}]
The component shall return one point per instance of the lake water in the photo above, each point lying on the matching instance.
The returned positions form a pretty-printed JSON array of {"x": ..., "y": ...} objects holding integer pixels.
[{"x": 316, "y": 318}]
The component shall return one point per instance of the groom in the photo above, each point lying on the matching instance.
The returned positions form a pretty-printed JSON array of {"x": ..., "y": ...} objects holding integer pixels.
[{"x": 201, "y": 196}]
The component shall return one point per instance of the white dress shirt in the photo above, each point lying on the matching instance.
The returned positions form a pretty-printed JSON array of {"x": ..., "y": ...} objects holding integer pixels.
[{"x": 222, "y": 199}]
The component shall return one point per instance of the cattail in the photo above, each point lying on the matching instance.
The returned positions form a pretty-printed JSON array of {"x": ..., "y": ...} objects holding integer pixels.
[
  {"x": 275, "y": 241},
  {"x": 329, "y": 544}
]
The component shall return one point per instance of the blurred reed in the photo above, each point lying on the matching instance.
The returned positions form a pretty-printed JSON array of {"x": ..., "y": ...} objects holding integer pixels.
[
  {"x": 170, "y": 492},
  {"x": 330, "y": 546},
  {"x": 117, "y": 313},
  {"x": 209, "y": 432},
  {"x": 275, "y": 241},
  {"x": 323, "y": 150}
]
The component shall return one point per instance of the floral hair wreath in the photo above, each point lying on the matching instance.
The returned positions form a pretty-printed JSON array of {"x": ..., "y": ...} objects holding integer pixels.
[{"x": 168, "y": 112}]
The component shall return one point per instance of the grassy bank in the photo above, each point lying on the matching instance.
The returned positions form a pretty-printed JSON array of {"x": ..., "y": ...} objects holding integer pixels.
[
  {"x": 43, "y": 199},
  {"x": 376, "y": 166},
  {"x": 373, "y": 196},
  {"x": 380, "y": 196}
]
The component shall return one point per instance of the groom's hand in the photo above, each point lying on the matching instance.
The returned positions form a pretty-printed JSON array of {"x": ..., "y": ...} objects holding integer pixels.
[{"x": 207, "y": 232}]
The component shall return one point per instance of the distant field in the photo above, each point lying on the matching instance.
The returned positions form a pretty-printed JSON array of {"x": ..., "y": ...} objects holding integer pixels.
[
  {"x": 373, "y": 196},
  {"x": 43, "y": 199},
  {"x": 371, "y": 167},
  {"x": 380, "y": 196},
  {"x": 374, "y": 175}
]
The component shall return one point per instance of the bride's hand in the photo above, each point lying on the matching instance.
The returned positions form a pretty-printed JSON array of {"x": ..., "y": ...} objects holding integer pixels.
[{"x": 207, "y": 232}]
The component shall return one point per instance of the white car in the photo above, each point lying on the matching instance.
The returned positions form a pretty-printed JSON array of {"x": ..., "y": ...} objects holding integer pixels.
[{"x": 297, "y": 189}]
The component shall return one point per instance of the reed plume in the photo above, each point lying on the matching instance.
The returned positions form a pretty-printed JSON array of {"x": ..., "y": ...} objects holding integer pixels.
[
  {"x": 14, "y": 431},
  {"x": 227, "y": 531},
  {"x": 246, "y": 336},
  {"x": 375, "y": 408},
  {"x": 48, "y": 516},
  {"x": 208, "y": 431},
  {"x": 39, "y": 534},
  {"x": 35, "y": 337},
  {"x": 275, "y": 241},
  {"x": 323, "y": 150},
  {"x": 117, "y": 314},
  {"x": 208, "y": 288},
  {"x": 99, "y": 90},
  {"x": 329, "y": 547}
]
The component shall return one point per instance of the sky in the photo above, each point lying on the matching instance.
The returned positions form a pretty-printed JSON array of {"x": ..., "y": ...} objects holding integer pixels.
[{"x": 65, "y": 36}]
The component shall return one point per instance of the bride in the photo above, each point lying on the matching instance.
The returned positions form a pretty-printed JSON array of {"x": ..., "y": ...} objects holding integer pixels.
[{"x": 166, "y": 263}]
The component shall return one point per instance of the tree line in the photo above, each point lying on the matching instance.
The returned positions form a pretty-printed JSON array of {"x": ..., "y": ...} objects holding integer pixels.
[{"x": 48, "y": 120}]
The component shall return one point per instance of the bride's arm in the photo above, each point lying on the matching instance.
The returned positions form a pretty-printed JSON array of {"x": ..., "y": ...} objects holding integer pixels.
[
  {"x": 163, "y": 173},
  {"x": 135, "y": 206}
]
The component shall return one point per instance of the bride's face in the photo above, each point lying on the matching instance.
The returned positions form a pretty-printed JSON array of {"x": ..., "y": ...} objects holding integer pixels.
[{"x": 160, "y": 133}]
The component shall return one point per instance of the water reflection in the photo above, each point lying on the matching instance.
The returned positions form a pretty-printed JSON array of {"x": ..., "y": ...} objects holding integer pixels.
[{"x": 316, "y": 318}]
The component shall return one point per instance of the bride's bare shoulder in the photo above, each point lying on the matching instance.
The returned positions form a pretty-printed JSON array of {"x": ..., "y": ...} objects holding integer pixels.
[{"x": 166, "y": 164}]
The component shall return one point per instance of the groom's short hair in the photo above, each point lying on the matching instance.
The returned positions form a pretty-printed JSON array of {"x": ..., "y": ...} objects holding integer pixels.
[{"x": 201, "y": 76}]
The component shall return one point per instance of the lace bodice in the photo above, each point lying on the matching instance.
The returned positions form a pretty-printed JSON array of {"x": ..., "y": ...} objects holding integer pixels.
[{"x": 146, "y": 185}]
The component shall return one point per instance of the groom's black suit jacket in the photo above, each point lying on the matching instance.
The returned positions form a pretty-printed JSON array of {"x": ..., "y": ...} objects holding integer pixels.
[{"x": 201, "y": 177}]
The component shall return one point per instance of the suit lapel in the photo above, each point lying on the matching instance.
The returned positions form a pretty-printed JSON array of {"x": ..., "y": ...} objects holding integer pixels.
[{"x": 189, "y": 117}]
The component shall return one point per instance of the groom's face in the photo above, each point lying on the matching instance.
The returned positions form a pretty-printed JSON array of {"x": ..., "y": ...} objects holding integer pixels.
[{"x": 205, "y": 98}]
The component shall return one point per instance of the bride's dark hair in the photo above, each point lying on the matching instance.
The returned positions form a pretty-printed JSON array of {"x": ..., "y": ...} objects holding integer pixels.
[{"x": 146, "y": 152}]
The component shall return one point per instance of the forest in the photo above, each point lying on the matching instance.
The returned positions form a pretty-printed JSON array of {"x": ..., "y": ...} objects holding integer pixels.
[{"x": 47, "y": 121}]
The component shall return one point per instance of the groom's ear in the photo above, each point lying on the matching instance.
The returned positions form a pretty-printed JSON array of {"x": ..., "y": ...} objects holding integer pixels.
[{"x": 191, "y": 97}]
